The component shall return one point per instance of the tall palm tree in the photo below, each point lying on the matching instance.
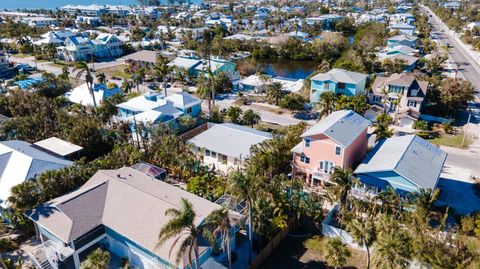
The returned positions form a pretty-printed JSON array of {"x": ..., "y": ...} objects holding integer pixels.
[
  {"x": 137, "y": 79},
  {"x": 127, "y": 85},
  {"x": 101, "y": 78},
  {"x": 336, "y": 252},
  {"x": 326, "y": 104},
  {"x": 363, "y": 232},
  {"x": 382, "y": 127},
  {"x": 82, "y": 68},
  {"x": 344, "y": 181},
  {"x": 220, "y": 220},
  {"x": 182, "y": 226},
  {"x": 243, "y": 187},
  {"x": 265, "y": 80},
  {"x": 392, "y": 250},
  {"x": 275, "y": 92}
]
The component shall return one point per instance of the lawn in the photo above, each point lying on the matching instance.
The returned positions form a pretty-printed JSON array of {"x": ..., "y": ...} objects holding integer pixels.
[
  {"x": 292, "y": 254},
  {"x": 451, "y": 140},
  {"x": 115, "y": 71}
]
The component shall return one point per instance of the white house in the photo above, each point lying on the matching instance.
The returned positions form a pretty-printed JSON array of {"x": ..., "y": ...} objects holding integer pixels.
[
  {"x": 225, "y": 146},
  {"x": 81, "y": 94},
  {"x": 81, "y": 48},
  {"x": 254, "y": 83}
]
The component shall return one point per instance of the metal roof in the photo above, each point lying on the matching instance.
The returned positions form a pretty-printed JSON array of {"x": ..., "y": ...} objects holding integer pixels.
[
  {"x": 229, "y": 139},
  {"x": 343, "y": 126},
  {"x": 340, "y": 75},
  {"x": 410, "y": 156}
]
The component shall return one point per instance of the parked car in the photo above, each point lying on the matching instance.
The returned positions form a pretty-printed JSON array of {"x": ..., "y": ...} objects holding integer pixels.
[{"x": 24, "y": 67}]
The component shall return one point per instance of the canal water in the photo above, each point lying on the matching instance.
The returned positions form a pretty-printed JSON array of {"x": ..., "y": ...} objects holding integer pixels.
[{"x": 288, "y": 68}]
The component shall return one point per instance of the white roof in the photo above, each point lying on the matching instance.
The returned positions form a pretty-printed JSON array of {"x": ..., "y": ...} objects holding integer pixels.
[
  {"x": 183, "y": 100},
  {"x": 229, "y": 139},
  {"x": 58, "y": 146},
  {"x": 20, "y": 161},
  {"x": 141, "y": 103},
  {"x": 340, "y": 75},
  {"x": 289, "y": 85},
  {"x": 183, "y": 62},
  {"x": 81, "y": 95}
]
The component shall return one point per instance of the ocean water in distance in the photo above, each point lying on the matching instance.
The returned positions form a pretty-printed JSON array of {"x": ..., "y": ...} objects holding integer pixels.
[{"x": 53, "y": 4}]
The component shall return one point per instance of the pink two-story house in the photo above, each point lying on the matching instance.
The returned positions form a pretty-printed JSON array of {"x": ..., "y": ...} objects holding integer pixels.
[{"x": 339, "y": 140}]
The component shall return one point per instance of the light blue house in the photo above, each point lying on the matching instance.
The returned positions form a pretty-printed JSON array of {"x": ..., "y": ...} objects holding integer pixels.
[
  {"x": 402, "y": 40},
  {"x": 405, "y": 163},
  {"x": 153, "y": 108},
  {"x": 196, "y": 66},
  {"x": 406, "y": 29},
  {"x": 339, "y": 81},
  {"x": 121, "y": 211}
]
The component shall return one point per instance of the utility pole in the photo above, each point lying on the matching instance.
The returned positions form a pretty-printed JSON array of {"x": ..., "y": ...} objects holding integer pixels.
[{"x": 465, "y": 131}]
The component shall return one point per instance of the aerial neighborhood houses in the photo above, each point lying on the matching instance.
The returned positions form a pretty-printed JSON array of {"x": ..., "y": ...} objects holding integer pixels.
[{"x": 197, "y": 125}]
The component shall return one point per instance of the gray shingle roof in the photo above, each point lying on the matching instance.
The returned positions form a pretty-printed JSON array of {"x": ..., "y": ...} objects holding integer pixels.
[
  {"x": 343, "y": 126},
  {"x": 125, "y": 200},
  {"x": 410, "y": 156}
]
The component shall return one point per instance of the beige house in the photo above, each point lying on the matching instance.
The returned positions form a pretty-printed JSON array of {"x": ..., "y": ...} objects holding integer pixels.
[
  {"x": 225, "y": 146},
  {"x": 400, "y": 95}
]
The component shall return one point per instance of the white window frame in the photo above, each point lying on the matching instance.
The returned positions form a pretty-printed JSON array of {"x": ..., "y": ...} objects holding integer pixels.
[{"x": 340, "y": 150}]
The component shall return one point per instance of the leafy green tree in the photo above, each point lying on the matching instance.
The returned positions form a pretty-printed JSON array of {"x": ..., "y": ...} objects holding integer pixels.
[
  {"x": 454, "y": 94},
  {"x": 250, "y": 117},
  {"x": 393, "y": 66},
  {"x": 357, "y": 103},
  {"x": 98, "y": 259},
  {"x": 208, "y": 186},
  {"x": 183, "y": 229},
  {"x": 52, "y": 86},
  {"x": 326, "y": 104}
]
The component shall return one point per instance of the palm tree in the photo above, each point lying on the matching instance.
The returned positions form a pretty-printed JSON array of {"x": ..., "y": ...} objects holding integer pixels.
[
  {"x": 65, "y": 73},
  {"x": 137, "y": 79},
  {"x": 343, "y": 180},
  {"x": 101, "y": 78},
  {"x": 82, "y": 68},
  {"x": 250, "y": 117},
  {"x": 98, "y": 259},
  {"x": 265, "y": 79},
  {"x": 220, "y": 219},
  {"x": 127, "y": 86},
  {"x": 392, "y": 250},
  {"x": 243, "y": 187},
  {"x": 181, "y": 226},
  {"x": 336, "y": 252},
  {"x": 381, "y": 126},
  {"x": 363, "y": 232},
  {"x": 275, "y": 92},
  {"x": 234, "y": 113},
  {"x": 326, "y": 104}
]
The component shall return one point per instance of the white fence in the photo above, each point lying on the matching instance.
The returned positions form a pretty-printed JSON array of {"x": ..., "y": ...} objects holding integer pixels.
[{"x": 331, "y": 231}]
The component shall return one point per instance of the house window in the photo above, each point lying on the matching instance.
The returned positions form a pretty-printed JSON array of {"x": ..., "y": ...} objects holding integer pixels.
[
  {"x": 207, "y": 153},
  {"x": 307, "y": 143},
  {"x": 396, "y": 89},
  {"x": 326, "y": 166},
  {"x": 189, "y": 110},
  {"x": 304, "y": 159},
  {"x": 377, "y": 98},
  {"x": 326, "y": 85},
  {"x": 412, "y": 103},
  {"x": 338, "y": 150},
  {"x": 214, "y": 154},
  {"x": 223, "y": 159},
  {"x": 341, "y": 85}
]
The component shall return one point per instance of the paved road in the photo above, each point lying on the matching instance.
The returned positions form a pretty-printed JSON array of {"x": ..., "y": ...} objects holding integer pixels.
[{"x": 468, "y": 67}]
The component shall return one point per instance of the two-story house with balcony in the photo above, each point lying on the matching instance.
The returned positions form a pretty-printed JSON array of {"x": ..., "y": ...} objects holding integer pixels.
[
  {"x": 339, "y": 81},
  {"x": 339, "y": 140},
  {"x": 402, "y": 40},
  {"x": 121, "y": 211},
  {"x": 77, "y": 48},
  {"x": 405, "y": 163},
  {"x": 153, "y": 108},
  {"x": 400, "y": 95}
]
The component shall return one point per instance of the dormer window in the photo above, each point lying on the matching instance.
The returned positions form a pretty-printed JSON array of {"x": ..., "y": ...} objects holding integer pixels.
[
  {"x": 307, "y": 142},
  {"x": 413, "y": 92}
]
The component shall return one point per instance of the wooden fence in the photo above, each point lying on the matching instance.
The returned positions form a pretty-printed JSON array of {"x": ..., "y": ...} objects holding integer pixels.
[
  {"x": 195, "y": 131},
  {"x": 271, "y": 246}
]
